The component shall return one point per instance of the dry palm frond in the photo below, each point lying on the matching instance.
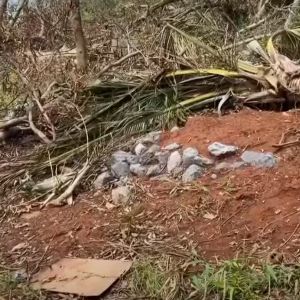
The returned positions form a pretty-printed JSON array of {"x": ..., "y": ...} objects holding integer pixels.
[{"x": 115, "y": 111}]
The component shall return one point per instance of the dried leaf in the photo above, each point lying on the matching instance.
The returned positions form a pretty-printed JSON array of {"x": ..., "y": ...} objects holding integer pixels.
[
  {"x": 209, "y": 216},
  {"x": 19, "y": 247}
]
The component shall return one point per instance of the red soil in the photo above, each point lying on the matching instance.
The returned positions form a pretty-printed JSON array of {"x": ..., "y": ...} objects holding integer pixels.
[{"x": 255, "y": 211}]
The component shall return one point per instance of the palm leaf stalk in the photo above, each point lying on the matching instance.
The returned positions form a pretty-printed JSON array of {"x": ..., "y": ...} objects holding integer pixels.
[{"x": 116, "y": 111}]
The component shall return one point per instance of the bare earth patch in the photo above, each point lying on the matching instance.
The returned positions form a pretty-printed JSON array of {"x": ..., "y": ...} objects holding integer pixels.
[{"x": 245, "y": 212}]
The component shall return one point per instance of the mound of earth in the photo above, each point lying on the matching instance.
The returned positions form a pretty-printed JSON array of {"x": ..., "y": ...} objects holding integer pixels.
[{"x": 247, "y": 211}]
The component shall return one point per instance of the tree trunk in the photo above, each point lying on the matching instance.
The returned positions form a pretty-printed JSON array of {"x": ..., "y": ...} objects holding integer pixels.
[
  {"x": 3, "y": 7},
  {"x": 81, "y": 51}
]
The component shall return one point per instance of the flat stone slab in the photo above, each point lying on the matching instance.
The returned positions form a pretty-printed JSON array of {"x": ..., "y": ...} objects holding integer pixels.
[
  {"x": 259, "y": 159},
  {"x": 218, "y": 149}
]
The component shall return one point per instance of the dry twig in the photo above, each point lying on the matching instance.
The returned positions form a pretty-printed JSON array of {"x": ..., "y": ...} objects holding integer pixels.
[{"x": 69, "y": 191}]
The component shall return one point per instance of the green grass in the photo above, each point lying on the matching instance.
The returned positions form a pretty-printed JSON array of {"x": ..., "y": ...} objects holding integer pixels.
[
  {"x": 11, "y": 288},
  {"x": 229, "y": 280},
  {"x": 167, "y": 278},
  {"x": 237, "y": 280}
]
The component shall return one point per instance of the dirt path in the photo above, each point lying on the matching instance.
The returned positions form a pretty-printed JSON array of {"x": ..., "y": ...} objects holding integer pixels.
[{"x": 246, "y": 211}]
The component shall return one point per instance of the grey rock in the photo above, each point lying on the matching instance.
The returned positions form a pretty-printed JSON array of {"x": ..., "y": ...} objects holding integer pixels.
[
  {"x": 102, "y": 180},
  {"x": 174, "y": 129},
  {"x": 174, "y": 161},
  {"x": 151, "y": 138},
  {"x": 172, "y": 147},
  {"x": 204, "y": 161},
  {"x": 140, "y": 149},
  {"x": 162, "y": 157},
  {"x": 120, "y": 169},
  {"x": 259, "y": 159},
  {"x": 192, "y": 173},
  {"x": 219, "y": 149},
  {"x": 122, "y": 156},
  {"x": 154, "y": 148},
  {"x": 189, "y": 156},
  {"x": 229, "y": 166},
  {"x": 119, "y": 156},
  {"x": 138, "y": 170},
  {"x": 123, "y": 181},
  {"x": 154, "y": 170},
  {"x": 121, "y": 195},
  {"x": 148, "y": 158},
  {"x": 177, "y": 172}
]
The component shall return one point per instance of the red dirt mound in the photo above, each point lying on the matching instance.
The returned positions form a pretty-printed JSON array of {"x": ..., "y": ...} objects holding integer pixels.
[{"x": 246, "y": 211}]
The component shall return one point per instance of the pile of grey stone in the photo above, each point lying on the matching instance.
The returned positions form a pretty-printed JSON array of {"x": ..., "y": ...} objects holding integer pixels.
[{"x": 149, "y": 159}]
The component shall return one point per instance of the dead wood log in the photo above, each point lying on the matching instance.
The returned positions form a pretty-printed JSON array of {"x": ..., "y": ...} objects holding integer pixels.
[{"x": 76, "y": 23}]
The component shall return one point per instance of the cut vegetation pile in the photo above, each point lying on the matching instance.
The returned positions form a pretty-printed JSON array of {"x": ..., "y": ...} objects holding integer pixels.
[{"x": 217, "y": 72}]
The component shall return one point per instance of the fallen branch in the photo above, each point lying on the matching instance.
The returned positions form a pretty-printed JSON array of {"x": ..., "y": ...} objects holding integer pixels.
[
  {"x": 36, "y": 99},
  {"x": 39, "y": 133},
  {"x": 118, "y": 62},
  {"x": 69, "y": 191},
  {"x": 287, "y": 144},
  {"x": 261, "y": 9},
  {"x": 14, "y": 122},
  {"x": 258, "y": 23}
]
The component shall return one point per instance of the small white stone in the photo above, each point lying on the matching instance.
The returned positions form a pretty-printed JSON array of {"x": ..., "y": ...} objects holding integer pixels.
[
  {"x": 213, "y": 176},
  {"x": 121, "y": 195}
]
